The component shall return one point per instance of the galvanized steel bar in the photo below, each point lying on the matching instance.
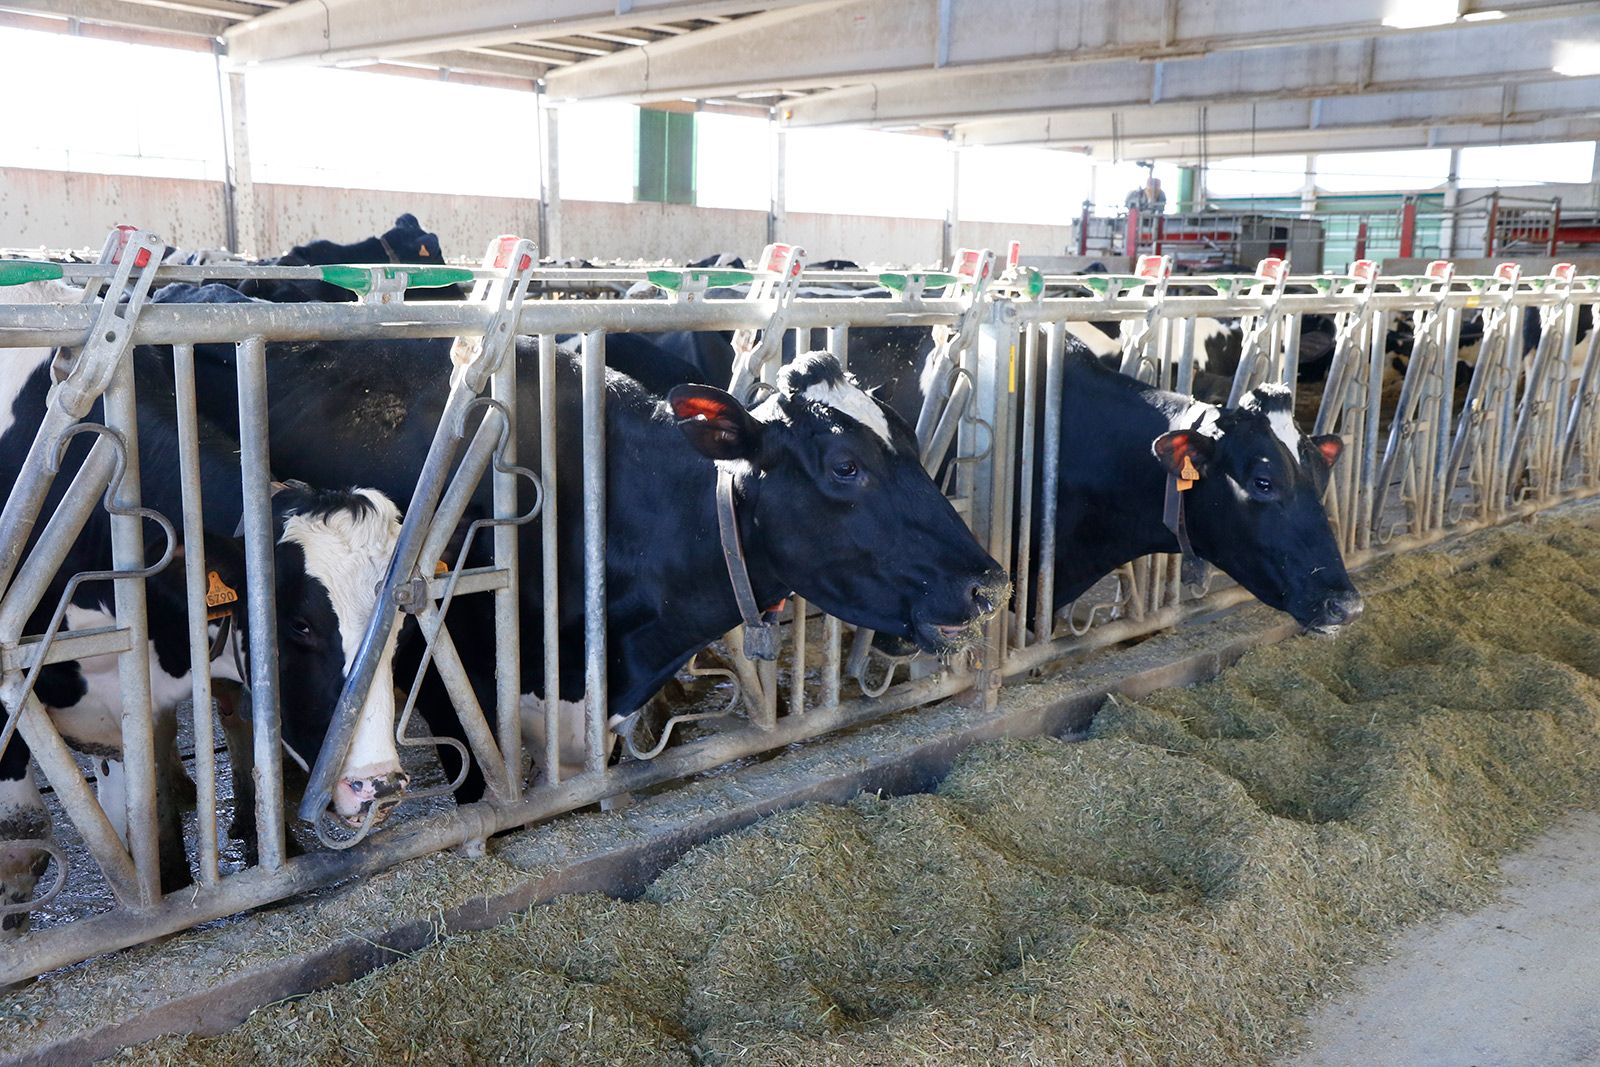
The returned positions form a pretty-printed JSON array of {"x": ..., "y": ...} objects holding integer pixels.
[
  {"x": 549, "y": 561},
  {"x": 133, "y": 667},
  {"x": 1050, "y": 483},
  {"x": 508, "y": 601},
  {"x": 594, "y": 547},
  {"x": 255, "y": 470},
  {"x": 194, "y": 565}
]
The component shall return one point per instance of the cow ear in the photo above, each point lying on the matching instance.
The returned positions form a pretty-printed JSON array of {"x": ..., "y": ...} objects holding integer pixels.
[
  {"x": 1330, "y": 446},
  {"x": 715, "y": 423},
  {"x": 1185, "y": 453}
]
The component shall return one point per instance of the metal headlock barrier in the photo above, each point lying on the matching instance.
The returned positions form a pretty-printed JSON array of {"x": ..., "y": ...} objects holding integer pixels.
[{"x": 1425, "y": 462}]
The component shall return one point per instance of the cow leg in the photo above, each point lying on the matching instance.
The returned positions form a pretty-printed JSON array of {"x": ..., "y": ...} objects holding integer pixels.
[
  {"x": 170, "y": 795},
  {"x": 239, "y": 738},
  {"x": 23, "y": 818}
]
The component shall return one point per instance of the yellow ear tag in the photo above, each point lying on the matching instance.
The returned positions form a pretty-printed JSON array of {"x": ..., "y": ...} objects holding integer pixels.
[
  {"x": 1188, "y": 475},
  {"x": 439, "y": 568},
  {"x": 219, "y": 594}
]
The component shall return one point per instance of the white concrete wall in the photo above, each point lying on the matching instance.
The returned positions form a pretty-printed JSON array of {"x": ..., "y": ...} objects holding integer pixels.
[{"x": 68, "y": 210}]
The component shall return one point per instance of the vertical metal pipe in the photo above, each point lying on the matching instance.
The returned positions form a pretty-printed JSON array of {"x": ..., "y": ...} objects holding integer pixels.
[
  {"x": 133, "y": 666},
  {"x": 594, "y": 543},
  {"x": 194, "y": 565},
  {"x": 508, "y": 601},
  {"x": 1024, "y": 489},
  {"x": 832, "y": 632},
  {"x": 1376, "y": 349},
  {"x": 797, "y": 678},
  {"x": 1050, "y": 481},
  {"x": 256, "y": 473},
  {"x": 549, "y": 558}
]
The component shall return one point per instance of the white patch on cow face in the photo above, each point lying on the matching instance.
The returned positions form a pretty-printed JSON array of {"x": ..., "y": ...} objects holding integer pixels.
[
  {"x": 1284, "y": 429},
  {"x": 849, "y": 400},
  {"x": 348, "y": 553}
]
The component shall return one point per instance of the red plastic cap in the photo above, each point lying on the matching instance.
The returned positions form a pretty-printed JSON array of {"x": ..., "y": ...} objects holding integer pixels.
[
  {"x": 502, "y": 253},
  {"x": 1441, "y": 270},
  {"x": 1563, "y": 272},
  {"x": 124, "y": 232},
  {"x": 1508, "y": 272},
  {"x": 1154, "y": 268},
  {"x": 1364, "y": 269},
  {"x": 1272, "y": 269},
  {"x": 1013, "y": 254}
]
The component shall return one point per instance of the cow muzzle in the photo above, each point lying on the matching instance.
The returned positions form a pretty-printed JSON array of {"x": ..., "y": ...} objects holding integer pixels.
[
  {"x": 354, "y": 795},
  {"x": 981, "y": 600},
  {"x": 1336, "y": 612}
]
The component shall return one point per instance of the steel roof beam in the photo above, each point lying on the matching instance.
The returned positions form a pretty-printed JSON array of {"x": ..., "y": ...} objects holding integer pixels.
[
  {"x": 886, "y": 42},
  {"x": 1188, "y": 149},
  {"x": 120, "y": 13},
  {"x": 328, "y": 31},
  {"x": 1482, "y": 106},
  {"x": 1486, "y": 54}
]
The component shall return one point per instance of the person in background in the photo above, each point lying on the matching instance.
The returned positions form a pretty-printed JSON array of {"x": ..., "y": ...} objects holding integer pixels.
[{"x": 1148, "y": 199}]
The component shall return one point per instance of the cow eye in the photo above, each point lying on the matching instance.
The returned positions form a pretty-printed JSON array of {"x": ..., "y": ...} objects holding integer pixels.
[
  {"x": 846, "y": 470},
  {"x": 300, "y": 627},
  {"x": 1262, "y": 485}
]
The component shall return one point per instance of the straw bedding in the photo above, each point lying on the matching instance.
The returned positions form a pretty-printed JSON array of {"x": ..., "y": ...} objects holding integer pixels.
[{"x": 1174, "y": 890}]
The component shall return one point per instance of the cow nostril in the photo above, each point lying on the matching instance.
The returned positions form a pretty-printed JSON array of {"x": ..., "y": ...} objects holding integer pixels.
[
  {"x": 1343, "y": 609},
  {"x": 981, "y": 598}
]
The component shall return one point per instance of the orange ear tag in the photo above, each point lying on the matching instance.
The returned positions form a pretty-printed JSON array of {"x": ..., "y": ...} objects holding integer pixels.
[
  {"x": 1188, "y": 475},
  {"x": 424, "y": 253},
  {"x": 439, "y": 568},
  {"x": 219, "y": 594}
]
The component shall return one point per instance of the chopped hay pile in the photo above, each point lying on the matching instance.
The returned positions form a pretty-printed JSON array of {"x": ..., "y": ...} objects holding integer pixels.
[{"x": 1174, "y": 890}]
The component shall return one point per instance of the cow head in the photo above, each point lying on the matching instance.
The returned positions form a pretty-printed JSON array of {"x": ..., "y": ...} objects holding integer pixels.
[
  {"x": 413, "y": 244},
  {"x": 333, "y": 548},
  {"x": 843, "y": 512},
  {"x": 1255, "y": 506}
]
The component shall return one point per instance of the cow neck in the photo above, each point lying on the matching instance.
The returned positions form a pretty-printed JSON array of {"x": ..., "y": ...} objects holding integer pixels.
[{"x": 388, "y": 249}]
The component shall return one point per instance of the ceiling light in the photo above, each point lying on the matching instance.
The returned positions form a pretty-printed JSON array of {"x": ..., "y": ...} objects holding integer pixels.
[
  {"x": 1577, "y": 59},
  {"x": 1483, "y": 16},
  {"x": 1414, "y": 14}
]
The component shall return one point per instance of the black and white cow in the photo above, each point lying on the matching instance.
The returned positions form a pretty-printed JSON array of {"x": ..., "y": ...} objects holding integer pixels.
[
  {"x": 1276, "y": 543},
  {"x": 1255, "y": 510},
  {"x": 405, "y": 242},
  {"x": 832, "y": 505},
  {"x": 331, "y": 548}
]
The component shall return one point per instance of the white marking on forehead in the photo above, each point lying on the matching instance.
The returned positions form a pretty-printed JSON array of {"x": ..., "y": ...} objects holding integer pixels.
[
  {"x": 1284, "y": 429},
  {"x": 348, "y": 553},
  {"x": 849, "y": 400}
]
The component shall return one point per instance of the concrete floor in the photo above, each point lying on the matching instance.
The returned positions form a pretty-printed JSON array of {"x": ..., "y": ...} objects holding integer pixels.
[{"x": 1512, "y": 984}]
